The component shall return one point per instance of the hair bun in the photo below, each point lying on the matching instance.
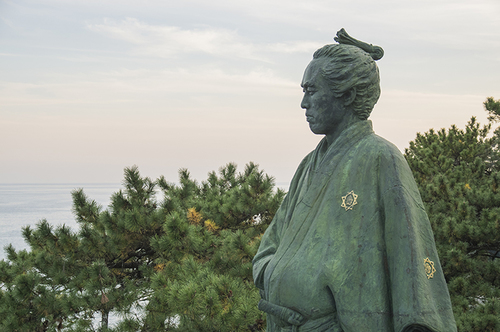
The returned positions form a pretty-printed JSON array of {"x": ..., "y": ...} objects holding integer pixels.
[{"x": 376, "y": 52}]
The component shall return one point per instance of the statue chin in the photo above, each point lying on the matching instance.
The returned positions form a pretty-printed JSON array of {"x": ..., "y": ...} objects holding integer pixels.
[{"x": 315, "y": 129}]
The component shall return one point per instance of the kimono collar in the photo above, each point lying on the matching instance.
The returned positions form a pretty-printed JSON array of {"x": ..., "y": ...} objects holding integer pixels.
[{"x": 349, "y": 137}]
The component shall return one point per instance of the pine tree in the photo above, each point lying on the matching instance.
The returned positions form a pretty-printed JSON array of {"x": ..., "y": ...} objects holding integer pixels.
[
  {"x": 204, "y": 278},
  {"x": 69, "y": 277},
  {"x": 180, "y": 264},
  {"x": 458, "y": 175}
]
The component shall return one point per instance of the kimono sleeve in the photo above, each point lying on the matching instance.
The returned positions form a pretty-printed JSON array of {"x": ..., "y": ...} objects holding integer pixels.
[
  {"x": 419, "y": 293},
  {"x": 272, "y": 237},
  {"x": 269, "y": 244}
]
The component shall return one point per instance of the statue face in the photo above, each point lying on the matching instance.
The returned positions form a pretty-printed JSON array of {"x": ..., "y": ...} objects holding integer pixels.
[{"x": 324, "y": 112}]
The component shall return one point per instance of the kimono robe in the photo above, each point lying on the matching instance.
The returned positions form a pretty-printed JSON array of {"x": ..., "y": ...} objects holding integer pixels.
[{"x": 351, "y": 248}]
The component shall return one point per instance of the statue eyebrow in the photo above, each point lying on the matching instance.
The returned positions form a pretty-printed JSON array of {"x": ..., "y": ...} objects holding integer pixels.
[{"x": 307, "y": 85}]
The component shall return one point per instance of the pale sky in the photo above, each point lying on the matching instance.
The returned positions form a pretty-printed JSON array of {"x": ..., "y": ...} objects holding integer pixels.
[{"x": 88, "y": 87}]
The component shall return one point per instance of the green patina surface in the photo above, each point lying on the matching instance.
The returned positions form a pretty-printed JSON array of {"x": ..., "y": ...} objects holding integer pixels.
[
  {"x": 356, "y": 269},
  {"x": 351, "y": 248}
]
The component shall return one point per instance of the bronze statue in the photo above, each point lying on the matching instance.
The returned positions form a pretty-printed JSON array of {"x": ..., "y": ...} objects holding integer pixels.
[{"x": 351, "y": 248}]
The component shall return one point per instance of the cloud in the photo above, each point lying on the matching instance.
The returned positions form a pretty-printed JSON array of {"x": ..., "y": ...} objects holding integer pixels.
[
  {"x": 171, "y": 41},
  {"x": 294, "y": 47},
  {"x": 168, "y": 41},
  {"x": 207, "y": 87}
]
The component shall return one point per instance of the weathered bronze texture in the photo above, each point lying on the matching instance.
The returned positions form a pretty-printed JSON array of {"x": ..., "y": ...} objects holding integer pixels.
[{"x": 351, "y": 248}]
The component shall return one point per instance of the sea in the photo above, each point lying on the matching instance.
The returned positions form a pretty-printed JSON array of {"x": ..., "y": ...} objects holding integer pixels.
[{"x": 24, "y": 205}]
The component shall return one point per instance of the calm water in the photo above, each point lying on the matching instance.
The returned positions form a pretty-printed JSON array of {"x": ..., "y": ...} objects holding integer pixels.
[{"x": 27, "y": 204}]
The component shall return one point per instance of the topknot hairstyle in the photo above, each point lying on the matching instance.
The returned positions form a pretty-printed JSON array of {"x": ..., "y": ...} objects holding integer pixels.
[{"x": 350, "y": 65}]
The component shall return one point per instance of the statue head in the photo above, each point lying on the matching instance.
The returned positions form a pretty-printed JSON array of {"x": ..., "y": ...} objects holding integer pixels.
[
  {"x": 341, "y": 85},
  {"x": 347, "y": 67}
]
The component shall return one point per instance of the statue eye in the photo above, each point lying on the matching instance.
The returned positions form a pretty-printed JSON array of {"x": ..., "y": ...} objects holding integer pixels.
[{"x": 309, "y": 91}]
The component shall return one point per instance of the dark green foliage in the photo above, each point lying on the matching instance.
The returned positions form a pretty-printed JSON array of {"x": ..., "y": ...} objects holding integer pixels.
[
  {"x": 492, "y": 106},
  {"x": 204, "y": 276},
  {"x": 180, "y": 264},
  {"x": 72, "y": 276},
  {"x": 457, "y": 172}
]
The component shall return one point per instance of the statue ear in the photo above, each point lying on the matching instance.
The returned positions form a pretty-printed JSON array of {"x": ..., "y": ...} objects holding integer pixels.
[{"x": 349, "y": 96}]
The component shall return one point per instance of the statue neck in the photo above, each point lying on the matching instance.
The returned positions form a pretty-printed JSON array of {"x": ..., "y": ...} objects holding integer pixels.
[{"x": 348, "y": 121}]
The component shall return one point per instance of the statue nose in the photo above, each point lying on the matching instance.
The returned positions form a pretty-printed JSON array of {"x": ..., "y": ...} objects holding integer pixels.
[{"x": 304, "y": 104}]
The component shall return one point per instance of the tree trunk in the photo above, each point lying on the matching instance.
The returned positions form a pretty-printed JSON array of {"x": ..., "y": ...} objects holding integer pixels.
[{"x": 104, "y": 320}]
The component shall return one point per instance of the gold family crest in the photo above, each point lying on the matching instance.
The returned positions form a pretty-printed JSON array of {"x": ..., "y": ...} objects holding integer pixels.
[
  {"x": 429, "y": 268},
  {"x": 349, "y": 200}
]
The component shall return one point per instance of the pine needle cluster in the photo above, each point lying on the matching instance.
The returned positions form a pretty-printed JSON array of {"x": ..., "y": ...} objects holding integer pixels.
[
  {"x": 458, "y": 174},
  {"x": 181, "y": 262}
]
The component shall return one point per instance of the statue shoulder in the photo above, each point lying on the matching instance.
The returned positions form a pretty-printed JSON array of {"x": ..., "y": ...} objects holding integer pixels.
[
  {"x": 385, "y": 150},
  {"x": 384, "y": 145}
]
